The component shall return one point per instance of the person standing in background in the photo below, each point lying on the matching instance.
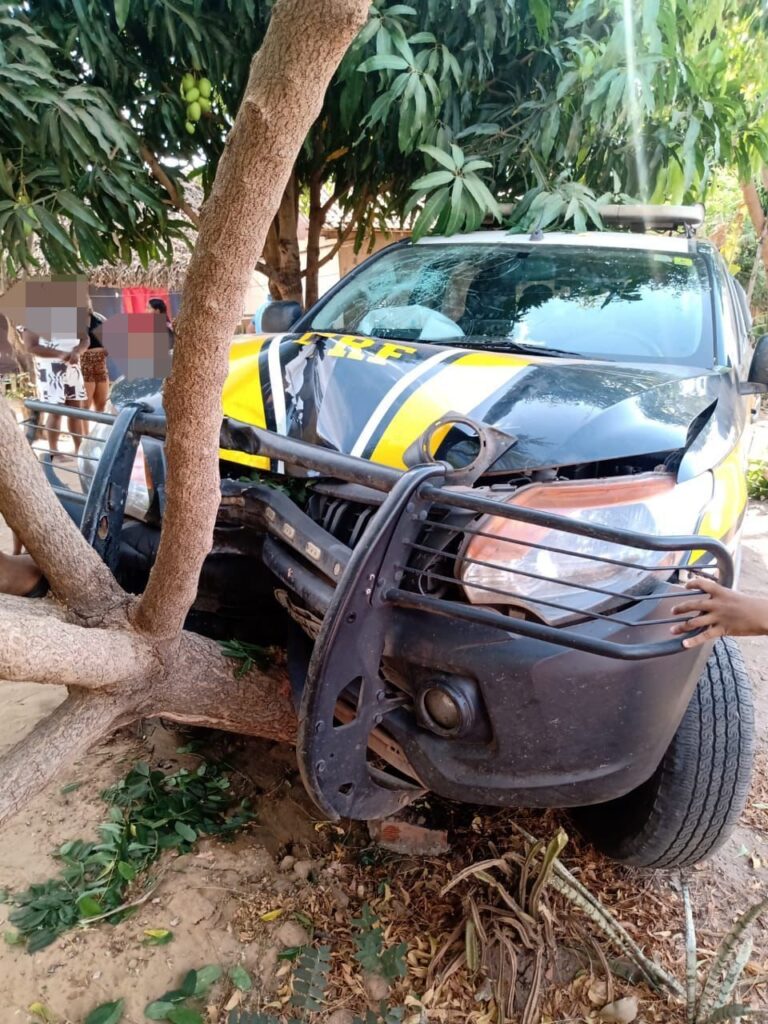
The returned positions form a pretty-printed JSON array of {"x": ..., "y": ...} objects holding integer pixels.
[
  {"x": 94, "y": 365},
  {"x": 159, "y": 306},
  {"x": 256, "y": 318},
  {"x": 59, "y": 378}
]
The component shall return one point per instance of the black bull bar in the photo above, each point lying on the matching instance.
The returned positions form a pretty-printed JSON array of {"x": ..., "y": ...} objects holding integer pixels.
[{"x": 394, "y": 569}]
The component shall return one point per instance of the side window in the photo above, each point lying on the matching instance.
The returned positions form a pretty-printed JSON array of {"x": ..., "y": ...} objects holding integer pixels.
[
  {"x": 731, "y": 325},
  {"x": 743, "y": 304}
]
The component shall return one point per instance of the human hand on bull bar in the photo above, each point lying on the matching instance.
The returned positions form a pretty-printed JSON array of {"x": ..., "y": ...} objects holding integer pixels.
[{"x": 719, "y": 611}]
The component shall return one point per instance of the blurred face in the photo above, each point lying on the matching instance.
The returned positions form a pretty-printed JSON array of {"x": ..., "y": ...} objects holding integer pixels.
[{"x": 57, "y": 307}]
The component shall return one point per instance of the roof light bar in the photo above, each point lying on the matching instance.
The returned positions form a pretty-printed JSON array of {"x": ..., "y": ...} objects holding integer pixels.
[{"x": 650, "y": 217}]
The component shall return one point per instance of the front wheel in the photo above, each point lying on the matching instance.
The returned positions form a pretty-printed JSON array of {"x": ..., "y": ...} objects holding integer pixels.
[{"x": 689, "y": 806}]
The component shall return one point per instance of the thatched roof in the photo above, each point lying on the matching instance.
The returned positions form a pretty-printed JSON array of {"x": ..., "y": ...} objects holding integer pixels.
[{"x": 158, "y": 274}]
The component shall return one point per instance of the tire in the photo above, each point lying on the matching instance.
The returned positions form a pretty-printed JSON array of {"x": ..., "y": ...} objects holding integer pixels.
[{"x": 689, "y": 806}]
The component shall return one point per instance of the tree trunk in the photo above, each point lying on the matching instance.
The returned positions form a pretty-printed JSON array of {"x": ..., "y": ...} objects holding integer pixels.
[
  {"x": 125, "y": 658},
  {"x": 289, "y": 267},
  {"x": 314, "y": 236},
  {"x": 758, "y": 218}
]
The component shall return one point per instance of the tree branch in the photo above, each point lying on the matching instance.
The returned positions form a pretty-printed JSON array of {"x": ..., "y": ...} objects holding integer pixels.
[
  {"x": 291, "y": 71},
  {"x": 337, "y": 194},
  {"x": 77, "y": 575},
  {"x": 60, "y": 738},
  {"x": 203, "y": 688},
  {"x": 38, "y": 645},
  {"x": 343, "y": 236},
  {"x": 161, "y": 177}
]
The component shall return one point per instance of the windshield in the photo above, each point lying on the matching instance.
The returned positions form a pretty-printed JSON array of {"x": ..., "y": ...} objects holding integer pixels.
[{"x": 623, "y": 304}]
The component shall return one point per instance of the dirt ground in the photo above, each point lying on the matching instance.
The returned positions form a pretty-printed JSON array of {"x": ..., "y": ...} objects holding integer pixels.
[{"x": 214, "y": 898}]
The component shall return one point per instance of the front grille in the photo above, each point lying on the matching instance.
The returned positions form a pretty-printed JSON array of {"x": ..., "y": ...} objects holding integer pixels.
[{"x": 344, "y": 519}]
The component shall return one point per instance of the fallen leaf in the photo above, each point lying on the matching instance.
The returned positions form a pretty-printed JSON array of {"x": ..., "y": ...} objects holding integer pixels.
[
  {"x": 107, "y": 1013},
  {"x": 240, "y": 978},
  {"x": 41, "y": 1011},
  {"x": 272, "y": 915},
  {"x": 622, "y": 1011}
]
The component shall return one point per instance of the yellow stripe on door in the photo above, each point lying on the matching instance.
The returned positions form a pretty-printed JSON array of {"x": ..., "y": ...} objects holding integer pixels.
[
  {"x": 458, "y": 387},
  {"x": 242, "y": 398}
]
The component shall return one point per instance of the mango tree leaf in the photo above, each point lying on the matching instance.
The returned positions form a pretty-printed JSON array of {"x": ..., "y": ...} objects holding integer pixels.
[
  {"x": 184, "y": 1015},
  {"x": 383, "y": 62},
  {"x": 206, "y": 976},
  {"x": 240, "y": 978},
  {"x": 440, "y": 156},
  {"x": 433, "y": 207},
  {"x": 433, "y": 180},
  {"x": 77, "y": 208},
  {"x": 158, "y": 1010},
  {"x": 107, "y": 1013},
  {"x": 88, "y": 906},
  {"x": 185, "y": 831}
]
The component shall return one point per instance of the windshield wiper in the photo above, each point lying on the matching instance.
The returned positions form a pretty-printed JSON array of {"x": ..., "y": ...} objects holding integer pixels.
[
  {"x": 510, "y": 346},
  {"x": 493, "y": 346}
]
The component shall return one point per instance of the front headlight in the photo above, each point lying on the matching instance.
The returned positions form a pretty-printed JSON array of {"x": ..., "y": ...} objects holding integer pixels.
[{"x": 506, "y": 561}]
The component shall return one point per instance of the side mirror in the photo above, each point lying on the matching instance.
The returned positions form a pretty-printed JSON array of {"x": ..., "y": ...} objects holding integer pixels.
[
  {"x": 279, "y": 317},
  {"x": 758, "y": 371}
]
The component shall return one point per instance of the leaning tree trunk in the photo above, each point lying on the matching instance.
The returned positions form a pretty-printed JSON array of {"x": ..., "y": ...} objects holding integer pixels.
[
  {"x": 121, "y": 657},
  {"x": 758, "y": 218},
  {"x": 314, "y": 238}
]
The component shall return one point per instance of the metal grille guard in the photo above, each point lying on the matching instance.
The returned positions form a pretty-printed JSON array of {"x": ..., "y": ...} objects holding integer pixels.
[{"x": 358, "y": 592}]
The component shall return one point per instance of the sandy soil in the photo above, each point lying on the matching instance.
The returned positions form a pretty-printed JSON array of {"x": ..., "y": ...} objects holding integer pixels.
[{"x": 200, "y": 895}]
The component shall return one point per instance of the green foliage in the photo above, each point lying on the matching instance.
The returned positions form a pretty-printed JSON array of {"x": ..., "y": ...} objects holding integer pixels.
[
  {"x": 174, "y": 1005},
  {"x": 149, "y": 812},
  {"x": 561, "y": 96},
  {"x": 249, "y": 655},
  {"x": 388, "y": 962},
  {"x": 757, "y": 481},
  {"x": 556, "y": 94},
  {"x": 459, "y": 200},
  {"x": 310, "y": 979},
  {"x": 240, "y": 978},
  {"x": 567, "y": 203},
  {"x": 70, "y": 171},
  {"x": 107, "y": 1013}
]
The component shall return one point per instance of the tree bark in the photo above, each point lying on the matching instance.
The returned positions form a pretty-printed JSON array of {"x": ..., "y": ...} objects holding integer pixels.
[
  {"x": 125, "y": 658},
  {"x": 251, "y": 182},
  {"x": 77, "y": 575},
  {"x": 314, "y": 236},
  {"x": 758, "y": 218}
]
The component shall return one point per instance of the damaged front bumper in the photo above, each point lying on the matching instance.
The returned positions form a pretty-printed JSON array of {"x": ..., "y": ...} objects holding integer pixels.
[{"x": 411, "y": 688}]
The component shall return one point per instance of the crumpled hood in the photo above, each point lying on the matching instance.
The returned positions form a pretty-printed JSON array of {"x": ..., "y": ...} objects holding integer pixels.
[{"x": 374, "y": 398}]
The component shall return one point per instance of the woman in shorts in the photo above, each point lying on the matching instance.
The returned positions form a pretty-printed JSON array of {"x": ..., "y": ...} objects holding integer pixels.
[{"x": 94, "y": 365}]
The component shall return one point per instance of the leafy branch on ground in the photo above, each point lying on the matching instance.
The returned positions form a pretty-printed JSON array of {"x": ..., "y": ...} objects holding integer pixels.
[
  {"x": 250, "y": 655},
  {"x": 174, "y": 1005},
  {"x": 149, "y": 812},
  {"x": 372, "y": 955}
]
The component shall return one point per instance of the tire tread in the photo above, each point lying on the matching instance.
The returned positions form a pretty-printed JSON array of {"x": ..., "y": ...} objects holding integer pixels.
[{"x": 701, "y": 786}]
